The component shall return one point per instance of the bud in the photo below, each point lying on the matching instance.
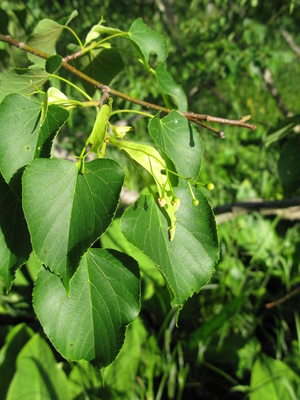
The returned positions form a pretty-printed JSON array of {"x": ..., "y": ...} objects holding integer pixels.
[
  {"x": 176, "y": 202},
  {"x": 196, "y": 202},
  {"x": 162, "y": 201},
  {"x": 210, "y": 186}
]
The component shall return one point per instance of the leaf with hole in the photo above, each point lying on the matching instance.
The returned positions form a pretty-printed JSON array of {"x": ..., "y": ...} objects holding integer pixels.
[
  {"x": 180, "y": 141},
  {"x": 187, "y": 262}
]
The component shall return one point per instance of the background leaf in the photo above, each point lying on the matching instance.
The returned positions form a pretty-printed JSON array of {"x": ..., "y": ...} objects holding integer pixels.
[
  {"x": 38, "y": 375},
  {"x": 273, "y": 380},
  {"x": 188, "y": 261},
  {"x": 44, "y": 38},
  {"x": 104, "y": 297},
  {"x": 67, "y": 210},
  {"x": 180, "y": 141},
  {"x": 53, "y": 64},
  {"x": 148, "y": 40},
  {"x": 169, "y": 87},
  {"x": 289, "y": 166},
  {"x": 15, "y": 246},
  {"x": 15, "y": 340}
]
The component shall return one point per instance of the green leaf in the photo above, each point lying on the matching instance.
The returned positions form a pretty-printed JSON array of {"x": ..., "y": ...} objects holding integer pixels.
[
  {"x": 67, "y": 210},
  {"x": 90, "y": 323},
  {"x": 22, "y": 80},
  {"x": 15, "y": 246},
  {"x": 187, "y": 262},
  {"x": 102, "y": 65},
  {"x": 14, "y": 341},
  {"x": 273, "y": 380},
  {"x": 98, "y": 30},
  {"x": 289, "y": 166},
  {"x": 179, "y": 141},
  {"x": 168, "y": 87},
  {"x": 282, "y": 129},
  {"x": 53, "y": 64},
  {"x": 38, "y": 375},
  {"x": 21, "y": 139},
  {"x": 44, "y": 38},
  {"x": 148, "y": 40}
]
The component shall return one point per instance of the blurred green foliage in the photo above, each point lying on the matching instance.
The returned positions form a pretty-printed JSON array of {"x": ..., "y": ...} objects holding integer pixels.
[{"x": 226, "y": 338}]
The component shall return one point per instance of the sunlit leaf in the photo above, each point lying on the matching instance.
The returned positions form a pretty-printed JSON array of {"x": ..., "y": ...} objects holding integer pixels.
[
  {"x": 67, "y": 209},
  {"x": 90, "y": 323}
]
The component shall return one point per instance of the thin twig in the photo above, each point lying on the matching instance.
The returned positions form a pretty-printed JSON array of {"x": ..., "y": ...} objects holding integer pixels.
[
  {"x": 283, "y": 299},
  {"x": 197, "y": 118}
]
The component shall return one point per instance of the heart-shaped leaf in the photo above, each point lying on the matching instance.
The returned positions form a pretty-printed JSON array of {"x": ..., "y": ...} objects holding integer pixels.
[
  {"x": 104, "y": 298},
  {"x": 15, "y": 246},
  {"x": 180, "y": 141},
  {"x": 21, "y": 135},
  {"x": 188, "y": 261},
  {"x": 67, "y": 210},
  {"x": 148, "y": 40}
]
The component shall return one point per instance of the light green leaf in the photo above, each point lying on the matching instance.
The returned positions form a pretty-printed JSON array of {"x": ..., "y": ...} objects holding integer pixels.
[
  {"x": 21, "y": 138},
  {"x": 38, "y": 375},
  {"x": 273, "y": 380},
  {"x": 98, "y": 30},
  {"x": 149, "y": 158},
  {"x": 67, "y": 209},
  {"x": 187, "y": 262},
  {"x": 14, "y": 341},
  {"x": 22, "y": 80},
  {"x": 15, "y": 246},
  {"x": 168, "y": 87},
  {"x": 148, "y": 40},
  {"x": 180, "y": 141},
  {"x": 44, "y": 38},
  {"x": 90, "y": 323}
]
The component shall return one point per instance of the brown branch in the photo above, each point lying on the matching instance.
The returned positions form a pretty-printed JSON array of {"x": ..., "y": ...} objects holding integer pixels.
[
  {"x": 283, "y": 299},
  {"x": 197, "y": 118}
]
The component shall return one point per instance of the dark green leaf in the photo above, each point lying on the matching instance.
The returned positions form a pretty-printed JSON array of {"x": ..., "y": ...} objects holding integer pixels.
[
  {"x": 15, "y": 246},
  {"x": 90, "y": 323},
  {"x": 289, "y": 166},
  {"x": 22, "y": 80},
  {"x": 21, "y": 139},
  {"x": 180, "y": 141},
  {"x": 148, "y": 40},
  {"x": 101, "y": 65},
  {"x": 168, "y": 87},
  {"x": 67, "y": 210},
  {"x": 53, "y": 64},
  {"x": 38, "y": 375},
  {"x": 188, "y": 261}
]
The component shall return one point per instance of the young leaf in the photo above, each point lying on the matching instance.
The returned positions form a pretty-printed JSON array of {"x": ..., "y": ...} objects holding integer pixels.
[
  {"x": 22, "y": 80},
  {"x": 187, "y": 262},
  {"x": 100, "y": 127},
  {"x": 53, "y": 64},
  {"x": 38, "y": 375},
  {"x": 168, "y": 87},
  {"x": 179, "y": 141},
  {"x": 104, "y": 298},
  {"x": 67, "y": 210},
  {"x": 98, "y": 30},
  {"x": 20, "y": 135},
  {"x": 15, "y": 246},
  {"x": 148, "y": 40}
]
